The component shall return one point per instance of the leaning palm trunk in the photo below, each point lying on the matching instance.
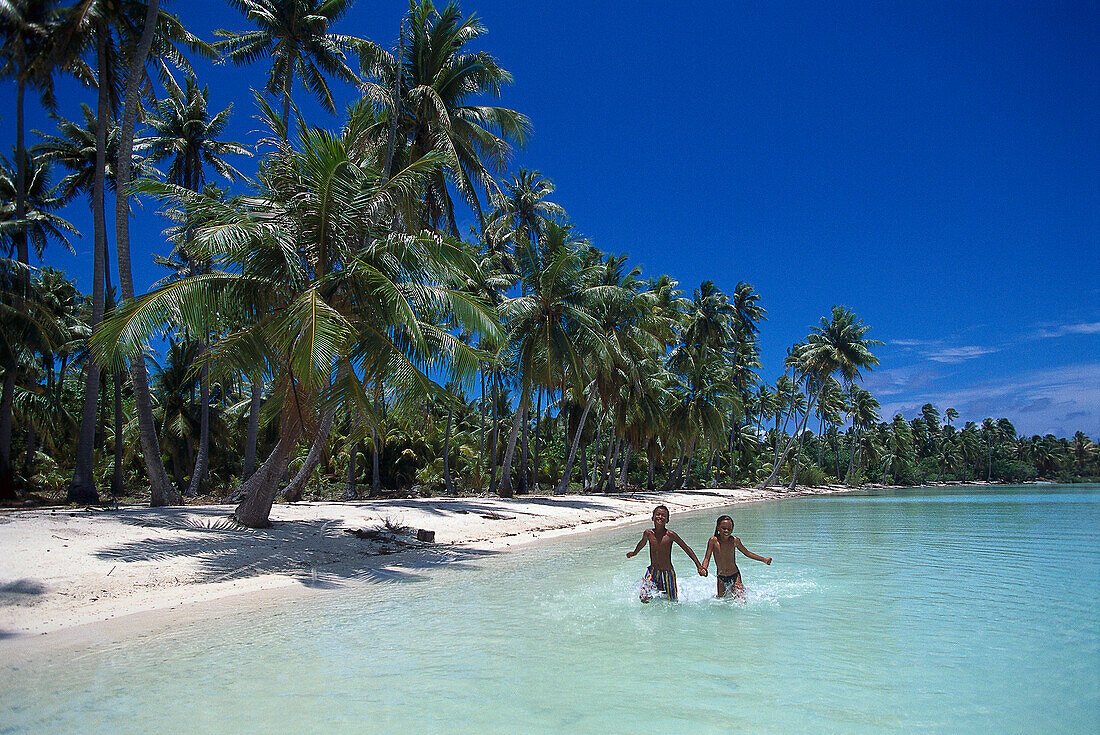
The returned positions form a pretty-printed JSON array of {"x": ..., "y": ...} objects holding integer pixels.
[
  {"x": 258, "y": 491},
  {"x": 505, "y": 487},
  {"x": 161, "y": 490},
  {"x": 293, "y": 491},
  {"x": 564, "y": 484},
  {"x": 82, "y": 488},
  {"x": 791, "y": 441},
  {"x": 253, "y": 434}
]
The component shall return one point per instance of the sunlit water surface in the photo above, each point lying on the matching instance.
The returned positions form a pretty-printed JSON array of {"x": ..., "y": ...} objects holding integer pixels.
[{"x": 926, "y": 610}]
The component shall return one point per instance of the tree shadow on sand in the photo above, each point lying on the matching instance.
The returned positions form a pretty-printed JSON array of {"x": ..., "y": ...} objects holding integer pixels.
[
  {"x": 317, "y": 553},
  {"x": 519, "y": 506}
]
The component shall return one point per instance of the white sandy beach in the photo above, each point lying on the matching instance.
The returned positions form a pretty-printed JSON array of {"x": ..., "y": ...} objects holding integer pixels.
[{"x": 62, "y": 568}]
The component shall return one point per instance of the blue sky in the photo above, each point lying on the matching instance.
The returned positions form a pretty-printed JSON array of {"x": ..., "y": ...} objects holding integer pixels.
[{"x": 933, "y": 166}]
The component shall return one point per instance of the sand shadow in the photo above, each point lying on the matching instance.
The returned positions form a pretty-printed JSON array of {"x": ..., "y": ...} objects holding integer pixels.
[
  {"x": 488, "y": 507},
  {"x": 317, "y": 553},
  {"x": 21, "y": 591}
]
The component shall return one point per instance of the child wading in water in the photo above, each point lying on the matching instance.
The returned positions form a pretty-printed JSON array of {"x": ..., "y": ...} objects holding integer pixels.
[
  {"x": 724, "y": 545},
  {"x": 660, "y": 576}
]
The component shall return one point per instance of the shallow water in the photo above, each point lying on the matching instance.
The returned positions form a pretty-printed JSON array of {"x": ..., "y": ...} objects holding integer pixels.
[{"x": 925, "y": 610}]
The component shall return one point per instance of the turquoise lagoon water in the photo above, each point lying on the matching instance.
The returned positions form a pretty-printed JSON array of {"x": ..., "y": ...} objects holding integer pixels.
[{"x": 926, "y": 610}]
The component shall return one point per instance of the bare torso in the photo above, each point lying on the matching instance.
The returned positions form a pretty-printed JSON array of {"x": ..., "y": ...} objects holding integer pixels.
[
  {"x": 725, "y": 551},
  {"x": 660, "y": 548}
]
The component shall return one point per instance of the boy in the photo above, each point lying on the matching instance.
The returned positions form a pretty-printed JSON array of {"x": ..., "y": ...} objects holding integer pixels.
[
  {"x": 724, "y": 545},
  {"x": 660, "y": 576}
]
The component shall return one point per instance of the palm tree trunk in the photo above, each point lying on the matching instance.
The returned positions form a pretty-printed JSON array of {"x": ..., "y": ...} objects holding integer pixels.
[
  {"x": 161, "y": 490},
  {"x": 563, "y": 485},
  {"x": 293, "y": 491},
  {"x": 375, "y": 479},
  {"x": 505, "y": 487},
  {"x": 253, "y": 435},
  {"x": 733, "y": 465},
  {"x": 852, "y": 455},
  {"x": 690, "y": 462},
  {"x": 790, "y": 442},
  {"x": 794, "y": 470},
  {"x": 82, "y": 488},
  {"x": 259, "y": 490},
  {"x": 650, "y": 452},
  {"x": 538, "y": 431},
  {"x": 481, "y": 424},
  {"x": 626, "y": 464},
  {"x": 676, "y": 474},
  {"x": 351, "y": 493},
  {"x": 286, "y": 104},
  {"x": 523, "y": 463},
  {"x": 591, "y": 483},
  {"x": 7, "y": 399},
  {"x": 7, "y": 484},
  {"x": 836, "y": 458},
  {"x": 611, "y": 464},
  {"x": 379, "y": 409},
  {"x": 116, "y": 475},
  {"x": 203, "y": 459},
  {"x": 447, "y": 454},
  {"x": 494, "y": 432}
]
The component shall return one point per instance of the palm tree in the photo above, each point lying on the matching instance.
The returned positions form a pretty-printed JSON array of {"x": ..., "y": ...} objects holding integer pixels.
[
  {"x": 312, "y": 286},
  {"x": 160, "y": 30},
  {"x": 38, "y": 225},
  {"x": 551, "y": 328},
  {"x": 90, "y": 155},
  {"x": 527, "y": 210},
  {"x": 295, "y": 35},
  {"x": 30, "y": 52},
  {"x": 863, "y": 411},
  {"x": 837, "y": 345},
  {"x": 438, "y": 78},
  {"x": 184, "y": 132},
  {"x": 73, "y": 148},
  {"x": 28, "y": 329}
]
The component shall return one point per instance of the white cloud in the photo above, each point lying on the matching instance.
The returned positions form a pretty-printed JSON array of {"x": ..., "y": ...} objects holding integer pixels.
[
  {"x": 1063, "y": 330},
  {"x": 955, "y": 355}
]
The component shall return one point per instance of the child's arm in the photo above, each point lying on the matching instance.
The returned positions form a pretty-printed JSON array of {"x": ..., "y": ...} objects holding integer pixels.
[
  {"x": 746, "y": 552},
  {"x": 711, "y": 544},
  {"x": 694, "y": 558},
  {"x": 637, "y": 548}
]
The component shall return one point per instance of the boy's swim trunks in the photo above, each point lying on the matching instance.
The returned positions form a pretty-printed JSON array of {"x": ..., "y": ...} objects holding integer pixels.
[
  {"x": 664, "y": 580},
  {"x": 729, "y": 581}
]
